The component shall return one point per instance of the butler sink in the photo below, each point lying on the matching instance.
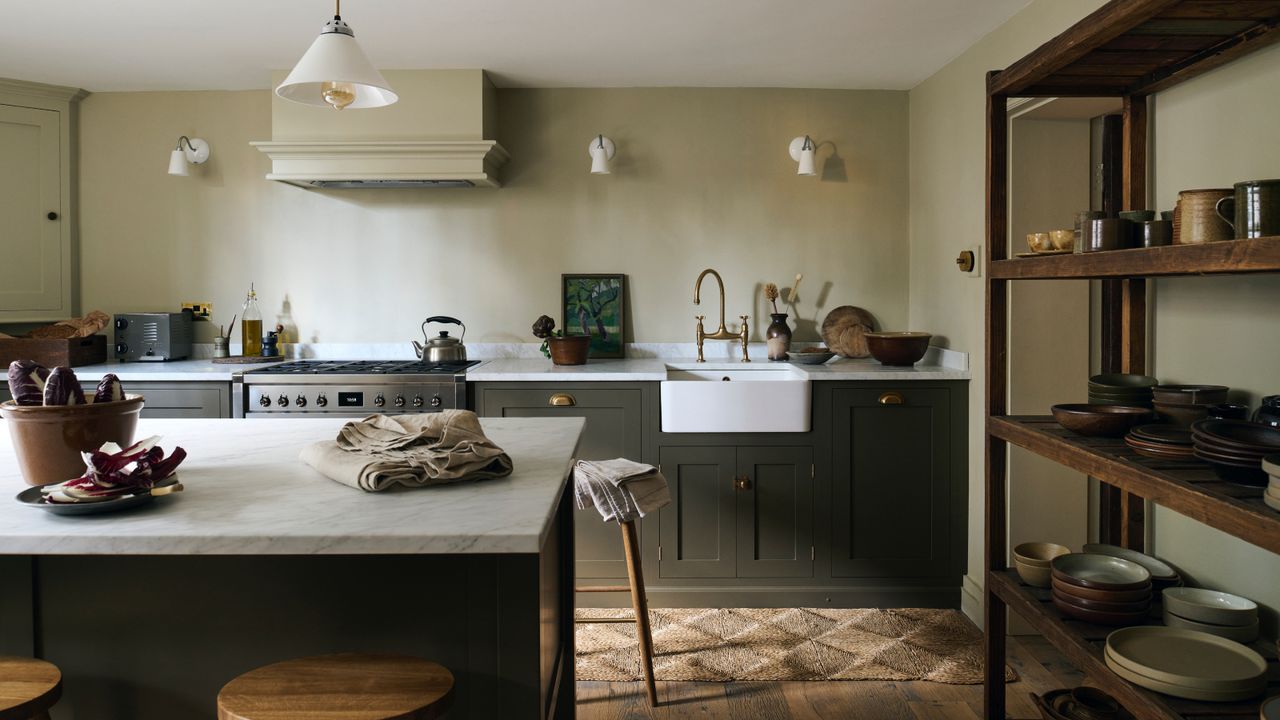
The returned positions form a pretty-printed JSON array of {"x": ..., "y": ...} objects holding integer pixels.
[{"x": 697, "y": 399}]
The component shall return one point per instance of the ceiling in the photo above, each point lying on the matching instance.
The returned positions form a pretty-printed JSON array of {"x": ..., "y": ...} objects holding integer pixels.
[{"x": 233, "y": 44}]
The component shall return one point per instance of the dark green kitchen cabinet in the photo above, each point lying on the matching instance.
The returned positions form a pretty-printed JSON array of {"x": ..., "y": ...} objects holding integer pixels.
[
  {"x": 172, "y": 399},
  {"x": 896, "y": 487},
  {"x": 744, "y": 512},
  {"x": 615, "y": 428}
]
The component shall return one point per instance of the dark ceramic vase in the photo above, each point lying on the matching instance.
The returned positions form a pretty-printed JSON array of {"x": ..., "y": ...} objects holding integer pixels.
[
  {"x": 778, "y": 337},
  {"x": 1269, "y": 412}
]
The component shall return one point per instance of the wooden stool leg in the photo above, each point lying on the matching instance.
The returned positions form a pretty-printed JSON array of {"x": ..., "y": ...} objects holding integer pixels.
[{"x": 631, "y": 543}]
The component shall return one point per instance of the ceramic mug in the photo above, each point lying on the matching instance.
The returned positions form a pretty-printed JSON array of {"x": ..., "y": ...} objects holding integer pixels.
[
  {"x": 1155, "y": 233},
  {"x": 1197, "y": 217},
  {"x": 1253, "y": 210},
  {"x": 1106, "y": 234}
]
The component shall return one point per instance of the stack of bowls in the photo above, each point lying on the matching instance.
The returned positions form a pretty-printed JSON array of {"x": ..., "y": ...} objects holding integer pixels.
[
  {"x": 1032, "y": 560},
  {"x": 1235, "y": 448},
  {"x": 1121, "y": 389},
  {"x": 1101, "y": 589},
  {"x": 1271, "y": 465},
  {"x": 1163, "y": 442},
  {"x": 1217, "y": 613},
  {"x": 1186, "y": 663},
  {"x": 1185, "y": 404}
]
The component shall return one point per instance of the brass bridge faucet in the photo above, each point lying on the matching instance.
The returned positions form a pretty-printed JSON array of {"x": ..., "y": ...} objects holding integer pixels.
[{"x": 721, "y": 333}]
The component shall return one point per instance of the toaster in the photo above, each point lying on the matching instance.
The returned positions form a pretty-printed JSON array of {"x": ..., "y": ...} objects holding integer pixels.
[{"x": 153, "y": 336}]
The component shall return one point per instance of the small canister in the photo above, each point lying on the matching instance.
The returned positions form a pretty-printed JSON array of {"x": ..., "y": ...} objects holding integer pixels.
[{"x": 220, "y": 347}]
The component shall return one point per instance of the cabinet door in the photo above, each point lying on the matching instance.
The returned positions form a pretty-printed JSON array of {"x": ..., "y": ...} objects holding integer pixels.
[
  {"x": 183, "y": 400},
  {"x": 696, "y": 531},
  {"x": 775, "y": 512},
  {"x": 32, "y": 274},
  {"x": 614, "y": 429},
  {"x": 891, "y": 509}
]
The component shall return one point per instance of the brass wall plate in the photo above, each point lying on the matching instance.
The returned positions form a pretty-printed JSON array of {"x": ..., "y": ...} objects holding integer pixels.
[{"x": 200, "y": 310}]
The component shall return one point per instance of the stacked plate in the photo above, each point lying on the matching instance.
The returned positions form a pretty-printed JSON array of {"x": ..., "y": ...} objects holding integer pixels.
[
  {"x": 1121, "y": 389},
  {"x": 1217, "y": 613},
  {"x": 1101, "y": 589},
  {"x": 1164, "y": 442},
  {"x": 1186, "y": 663},
  {"x": 1271, "y": 465},
  {"x": 1185, "y": 404},
  {"x": 1235, "y": 448}
]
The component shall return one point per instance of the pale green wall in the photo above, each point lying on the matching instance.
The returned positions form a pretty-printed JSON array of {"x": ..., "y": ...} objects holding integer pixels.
[
  {"x": 702, "y": 179},
  {"x": 1212, "y": 131}
]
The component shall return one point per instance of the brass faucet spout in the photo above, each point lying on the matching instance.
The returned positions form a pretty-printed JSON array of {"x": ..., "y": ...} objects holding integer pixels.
[{"x": 721, "y": 332}]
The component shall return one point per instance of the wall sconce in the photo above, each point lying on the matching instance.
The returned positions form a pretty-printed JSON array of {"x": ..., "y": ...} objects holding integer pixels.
[
  {"x": 601, "y": 150},
  {"x": 802, "y": 151},
  {"x": 195, "y": 152}
]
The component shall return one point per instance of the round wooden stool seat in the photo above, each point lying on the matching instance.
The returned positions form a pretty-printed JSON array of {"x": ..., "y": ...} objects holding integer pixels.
[
  {"x": 346, "y": 686},
  {"x": 28, "y": 687}
]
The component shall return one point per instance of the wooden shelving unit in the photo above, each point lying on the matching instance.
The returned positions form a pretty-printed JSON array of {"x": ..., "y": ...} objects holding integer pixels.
[{"x": 1127, "y": 49}]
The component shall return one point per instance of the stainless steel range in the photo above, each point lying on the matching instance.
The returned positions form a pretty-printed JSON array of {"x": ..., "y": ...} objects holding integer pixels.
[{"x": 352, "y": 388}]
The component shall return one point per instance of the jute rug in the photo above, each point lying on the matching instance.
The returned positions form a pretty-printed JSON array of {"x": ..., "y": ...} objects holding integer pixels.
[{"x": 723, "y": 644}]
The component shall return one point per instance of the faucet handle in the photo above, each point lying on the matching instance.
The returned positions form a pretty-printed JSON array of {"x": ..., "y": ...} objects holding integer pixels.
[
  {"x": 744, "y": 318},
  {"x": 699, "y": 318}
]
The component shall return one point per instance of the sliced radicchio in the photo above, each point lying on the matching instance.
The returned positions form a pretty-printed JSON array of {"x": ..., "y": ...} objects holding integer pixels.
[
  {"x": 63, "y": 388},
  {"x": 111, "y": 472},
  {"x": 26, "y": 382},
  {"x": 109, "y": 390}
]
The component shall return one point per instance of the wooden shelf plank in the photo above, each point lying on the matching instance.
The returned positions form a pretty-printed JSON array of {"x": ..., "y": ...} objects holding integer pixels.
[
  {"x": 1187, "y": 487},
  {"x": 1083, "y": 645},
  {"x": 1234, "y": 256}
]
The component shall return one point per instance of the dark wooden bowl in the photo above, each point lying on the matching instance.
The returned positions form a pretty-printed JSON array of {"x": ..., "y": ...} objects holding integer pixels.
[
  {"x": 897, "y": 348},
  {"x": 1099, "y": 420}
]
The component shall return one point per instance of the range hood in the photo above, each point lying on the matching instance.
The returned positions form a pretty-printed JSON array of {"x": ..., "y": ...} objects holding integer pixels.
[{"x": 440, "y": 134}]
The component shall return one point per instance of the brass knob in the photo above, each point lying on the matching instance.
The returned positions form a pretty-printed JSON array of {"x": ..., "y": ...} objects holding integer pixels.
[
  {"x": 742, "y": 482},
  {"x": 562, "y": 400},
  {"x": 893, "y": 397},
  {"x": 965, "y": 261}
]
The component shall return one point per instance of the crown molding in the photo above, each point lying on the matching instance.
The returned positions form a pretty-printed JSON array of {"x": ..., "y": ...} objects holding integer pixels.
[{"x": 10, "y": 86}]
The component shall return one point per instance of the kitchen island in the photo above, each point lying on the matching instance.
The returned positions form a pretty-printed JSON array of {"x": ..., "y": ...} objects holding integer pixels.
[{"x": 148, "y": 612}]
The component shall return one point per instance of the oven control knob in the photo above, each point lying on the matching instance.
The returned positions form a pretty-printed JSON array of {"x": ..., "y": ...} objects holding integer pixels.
[
  {"x": 417, "y": 401},
  {"x": 379, "y": 401},
  {"x": 436, "y": 401},
  {"x": 399, "y": 401},
  {"x": 283, "y": 400},
  {"x": 122, "y": 348},
  {"x": 264, "y": 401},
  {"x": 301, "y": 401},
  {"x": 321, "y": 400}
]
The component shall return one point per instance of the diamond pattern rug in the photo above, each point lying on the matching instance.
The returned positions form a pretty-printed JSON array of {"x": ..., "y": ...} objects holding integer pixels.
[{"x": 723, "y": 644}]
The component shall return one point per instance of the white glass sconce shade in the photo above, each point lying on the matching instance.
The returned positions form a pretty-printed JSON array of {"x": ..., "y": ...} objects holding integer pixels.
[
  {"x": 190, "y": 151},
  {"x": 601, "y": 150},
  {"x": 802, "y": 151}
]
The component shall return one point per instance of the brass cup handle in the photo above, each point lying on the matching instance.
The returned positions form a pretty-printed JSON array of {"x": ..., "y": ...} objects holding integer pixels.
[
  {"x": 742, "y": 482},
  {"x": 562, "y": 400},
  {"x": 892, "y": 397}
]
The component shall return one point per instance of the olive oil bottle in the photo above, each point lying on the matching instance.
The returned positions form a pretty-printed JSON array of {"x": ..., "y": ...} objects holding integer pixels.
[{"x": 251, "y": 325}]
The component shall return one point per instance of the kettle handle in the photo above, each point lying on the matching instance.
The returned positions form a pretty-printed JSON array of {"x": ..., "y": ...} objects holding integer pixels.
[{"x": 446, "y": 320}]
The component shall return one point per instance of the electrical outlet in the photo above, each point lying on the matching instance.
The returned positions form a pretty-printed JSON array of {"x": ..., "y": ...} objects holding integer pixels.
[{"x": 201, "y": 310}]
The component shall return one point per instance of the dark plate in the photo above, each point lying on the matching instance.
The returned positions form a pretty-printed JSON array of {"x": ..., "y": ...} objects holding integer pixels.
[
  {"x": 1159, "y": 433},
  {"x": 1217, "y": 452},
  {"x": 1099, "y": 420},
  {"x": 1137, "y": 442},
  {"x": 1241, "y": 434},
  {"x": 1252, "y": 476},
  {"x": 1122, "y": 380},
  {"x": 1111, "y": 596},
  {"x": 32, "y": 497},
  {"x": 1100, "y": 618},
  {"x": 1099, "y": 606}
]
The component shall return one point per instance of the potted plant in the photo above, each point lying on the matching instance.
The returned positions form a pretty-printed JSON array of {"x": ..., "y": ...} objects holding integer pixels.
[{"x": 562, "y": 349}]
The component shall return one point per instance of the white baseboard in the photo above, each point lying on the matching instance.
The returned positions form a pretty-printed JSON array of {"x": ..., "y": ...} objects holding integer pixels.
[{"x": 971, "y": 600}]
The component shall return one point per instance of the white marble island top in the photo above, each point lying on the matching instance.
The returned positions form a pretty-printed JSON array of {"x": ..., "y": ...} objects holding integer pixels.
[{"x": 247, "y": 493}]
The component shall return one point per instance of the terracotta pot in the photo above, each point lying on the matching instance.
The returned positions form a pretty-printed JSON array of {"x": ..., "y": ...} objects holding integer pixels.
[
  {"x": 48, "y": 440},
  {"x": 571, "y": 350}
]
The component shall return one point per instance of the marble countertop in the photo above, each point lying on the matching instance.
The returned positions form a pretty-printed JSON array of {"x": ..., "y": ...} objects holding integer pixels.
[
  {"x": 167, "y": 371},
  {"x": 247, "y": 493}
]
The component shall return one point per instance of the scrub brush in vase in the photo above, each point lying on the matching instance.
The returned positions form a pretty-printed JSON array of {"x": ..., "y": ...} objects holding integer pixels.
[{"x": 778, "y": 334}]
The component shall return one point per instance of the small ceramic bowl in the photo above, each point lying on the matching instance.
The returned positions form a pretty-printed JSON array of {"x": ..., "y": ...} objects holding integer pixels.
[
  {"x": 1039, "y": 554},
  {"x": 1039, "y": 242},
  {"x": 811, "y": 356},
  {"x": 1062, "y": 239},
  {"x": 1033, "y": 575},
  {"x": 1099, "y": 420}
]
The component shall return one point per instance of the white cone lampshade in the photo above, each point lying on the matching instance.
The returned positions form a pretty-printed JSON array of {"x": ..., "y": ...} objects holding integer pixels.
[
  {"x": 806, "y": 163},
  {"x": 178, "y": 163},
  {"x": 335, "y": 73},
  {"x": 601, "y": 150},
  {"x": 803, "y": 150}
]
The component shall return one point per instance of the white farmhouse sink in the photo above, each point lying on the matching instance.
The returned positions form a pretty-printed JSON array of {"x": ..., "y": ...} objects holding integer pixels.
[{"x": 707, "y": 400}]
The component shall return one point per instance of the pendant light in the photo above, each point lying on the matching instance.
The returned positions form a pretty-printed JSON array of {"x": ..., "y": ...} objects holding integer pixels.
[{"x": 335, "y": 73}]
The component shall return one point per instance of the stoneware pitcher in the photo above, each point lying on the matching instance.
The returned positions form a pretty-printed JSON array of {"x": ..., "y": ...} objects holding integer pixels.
[{"x": 1253, "y": 210}]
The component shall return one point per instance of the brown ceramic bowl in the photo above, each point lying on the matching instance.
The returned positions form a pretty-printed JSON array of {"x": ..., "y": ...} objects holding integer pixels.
[
  {"x": 1101, "y": 572},
  {"x": 48, "y": 440},
  {"x": 1099, "y": 420},
  {"x": 897, "y": 348},
  {"x": 569, "y": 350},
  {"x": 1100, "y": 618},
  {"x": 1180, "y": 415},
  {"x": 1190, "y": 394},
  {"x": 1110, "y": 596},
  {"x": 1117, "y": 381},
  {"x": 1100, "y": 606}
]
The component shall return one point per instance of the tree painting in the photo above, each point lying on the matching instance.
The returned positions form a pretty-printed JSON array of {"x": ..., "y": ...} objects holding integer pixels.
[{"x": 593, "y": 306}]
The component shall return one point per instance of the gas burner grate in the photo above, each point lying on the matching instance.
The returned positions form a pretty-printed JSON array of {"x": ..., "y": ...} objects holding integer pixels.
[{"x": 364, "y": 367}]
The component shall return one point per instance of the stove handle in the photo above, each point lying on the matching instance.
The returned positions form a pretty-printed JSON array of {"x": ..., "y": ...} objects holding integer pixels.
[{"x": 562, "y": 400}]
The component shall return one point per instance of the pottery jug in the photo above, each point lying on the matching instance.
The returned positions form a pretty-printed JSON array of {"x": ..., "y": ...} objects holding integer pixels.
[{"x": 778, "y": 337}]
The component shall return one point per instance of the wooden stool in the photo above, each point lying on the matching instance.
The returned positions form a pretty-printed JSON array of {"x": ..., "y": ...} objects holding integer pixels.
[
  {"x": 639, "y": 603},
  {"x": 28, "y": 688},
  {"x": 347, "y": 686}
]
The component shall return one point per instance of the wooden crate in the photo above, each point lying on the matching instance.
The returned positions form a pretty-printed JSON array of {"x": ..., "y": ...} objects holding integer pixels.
[{"x": 71, "y": 352}]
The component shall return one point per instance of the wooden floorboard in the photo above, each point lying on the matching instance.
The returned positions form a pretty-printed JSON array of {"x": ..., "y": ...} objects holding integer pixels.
[{"x": 1040, "y": 668}]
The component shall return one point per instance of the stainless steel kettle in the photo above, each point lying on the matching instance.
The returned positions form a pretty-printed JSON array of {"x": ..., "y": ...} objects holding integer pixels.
[{"x": 441, "y": 348}]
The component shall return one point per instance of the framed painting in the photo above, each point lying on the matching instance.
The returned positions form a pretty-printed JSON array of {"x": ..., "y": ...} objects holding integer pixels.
[{"x": 593, "y": 305}]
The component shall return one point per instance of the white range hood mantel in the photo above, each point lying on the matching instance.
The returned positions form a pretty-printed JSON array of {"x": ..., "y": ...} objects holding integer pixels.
[
  {"x": 439, "y": 134},
  {"x": 386, "y": 163}
]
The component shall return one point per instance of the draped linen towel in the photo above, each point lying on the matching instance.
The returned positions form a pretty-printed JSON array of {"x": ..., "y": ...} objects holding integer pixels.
[
  {"x": 418, "y": 450},
  {"x": 621, "y": 490}
]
